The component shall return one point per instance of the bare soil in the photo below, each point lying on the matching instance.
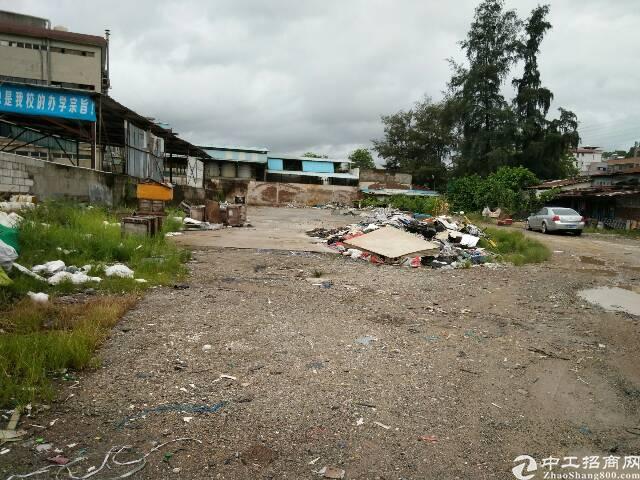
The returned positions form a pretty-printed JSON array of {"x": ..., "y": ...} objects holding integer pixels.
[{"x": 391, "y": 373}]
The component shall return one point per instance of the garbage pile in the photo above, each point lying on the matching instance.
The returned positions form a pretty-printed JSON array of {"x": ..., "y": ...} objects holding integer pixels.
[{"x": 387, "y": 235}]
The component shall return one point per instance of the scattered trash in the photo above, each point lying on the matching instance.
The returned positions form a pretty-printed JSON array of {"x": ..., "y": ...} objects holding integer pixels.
[
  {"x": 311, "y": 462},
  {"x": 187, "y": 419},
  {"x": 10, "y": 434},
  {"x": 10, "y": 220},
  {"x": 392, "y": 243},
  {"x": 390, "y": 236},
  {"x": 44, "y": 447},
  {"x": 4, "y": 451},
  {"x": 8, "y": 255},
  {"x": 111, "y": 462},
  {"x": 428, "y": 438},
  {"x": 179, "y": 407},
  {"x": 584, "y": 430},
  {"x": 206, "y": 347},
  {"x": 360, "y": 421},
  {"x": 28, "y": 272},
  {"x": 386, "y": 427},
  {"x": 172, "y": 234},
  {"x": 52, "y": 267},
  {"x": 193, "y": 224},
  {"x": 59, "y": 460},
  {"x": 366, "y": 340},
  {"x": 331, "y": 472},
  {"x": 40, "y": 297},
  {"x": 77, "y": 278},
  {"x": 119, "y": 270}
]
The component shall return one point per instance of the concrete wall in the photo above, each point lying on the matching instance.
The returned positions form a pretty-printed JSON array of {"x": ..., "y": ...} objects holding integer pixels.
[
  {"x": 369, "y": 176},
  {"x": 275, "y": 193},
  {"x": 49, "y": 180},
  {"x": 192, "y": 195},
  {"x": 65, "y": 67}
]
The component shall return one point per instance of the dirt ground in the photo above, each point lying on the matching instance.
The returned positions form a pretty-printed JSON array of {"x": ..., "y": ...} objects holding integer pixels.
[{"x": 391, "y": 373}]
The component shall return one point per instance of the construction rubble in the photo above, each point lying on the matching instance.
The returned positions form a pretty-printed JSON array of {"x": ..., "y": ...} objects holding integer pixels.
[{"x": 387, "y": 235}]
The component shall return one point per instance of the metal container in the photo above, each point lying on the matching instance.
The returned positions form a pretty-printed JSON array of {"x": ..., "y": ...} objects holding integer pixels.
[
  {"x": 214, "y": 170},
  {"x": 228, "y": 170},
  {"x": 244, "y": 170}
]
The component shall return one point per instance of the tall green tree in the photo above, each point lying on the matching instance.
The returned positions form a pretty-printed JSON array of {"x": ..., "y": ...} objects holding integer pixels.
[
  {"x": 417, "y": 141},
  {"x": 314, "y": 155},
  {"x": 361, "y": 158},
  {"x": 532, "y": 101},
  {"x": 484, "y": 119},
  {"x": 542, "y": 145}
]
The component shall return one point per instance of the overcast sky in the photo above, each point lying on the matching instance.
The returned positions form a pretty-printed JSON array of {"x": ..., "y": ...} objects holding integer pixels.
[{"x": 294, "y": 75}]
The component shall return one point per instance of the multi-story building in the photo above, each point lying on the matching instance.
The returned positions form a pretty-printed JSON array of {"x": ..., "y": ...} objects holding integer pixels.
[
  {"x": 622, "y": 164},
  {"x": 32, "y": 52},
  {"x": 585, "y": 156}
]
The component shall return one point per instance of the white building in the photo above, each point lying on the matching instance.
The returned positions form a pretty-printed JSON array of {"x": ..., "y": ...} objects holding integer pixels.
[{"x": 585, "y": 156}]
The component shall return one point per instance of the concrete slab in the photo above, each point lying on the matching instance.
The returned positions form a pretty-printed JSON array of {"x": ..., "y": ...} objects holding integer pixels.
[
  {"x": 273, "y": 229},
  {"x": 391, "y": 242}
]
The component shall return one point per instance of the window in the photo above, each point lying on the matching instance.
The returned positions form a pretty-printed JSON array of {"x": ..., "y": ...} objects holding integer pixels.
[
  {"x": 293, "y": 165},
  {"x": 565, "y": 211}
]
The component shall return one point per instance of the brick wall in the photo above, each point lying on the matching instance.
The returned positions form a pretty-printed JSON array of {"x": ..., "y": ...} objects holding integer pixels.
[
  {"x": 50, "y": 180},
  {"x": 14, "y": 177}
]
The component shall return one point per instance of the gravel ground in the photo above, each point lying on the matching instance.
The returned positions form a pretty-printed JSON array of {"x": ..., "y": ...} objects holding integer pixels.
[{"x": 390, "y": 373}]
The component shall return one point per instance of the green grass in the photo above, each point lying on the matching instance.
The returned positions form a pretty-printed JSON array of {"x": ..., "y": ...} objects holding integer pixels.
[
  {"x": 43, "y": 341},
  {"x": 53, "y": 228},
  {"x": 38, "y": 342},
  {"x": 514, "y": 247},
  {"x": 427, "y": 205},
  {"x": 613, "y": 231}
]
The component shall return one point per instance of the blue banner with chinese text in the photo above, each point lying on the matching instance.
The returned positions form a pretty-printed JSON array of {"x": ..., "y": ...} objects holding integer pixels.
[{"x": 46, "y": 102}]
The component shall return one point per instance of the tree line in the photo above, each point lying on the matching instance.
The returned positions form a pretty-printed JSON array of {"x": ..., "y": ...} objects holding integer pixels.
[{"x": 474, "y": 129}]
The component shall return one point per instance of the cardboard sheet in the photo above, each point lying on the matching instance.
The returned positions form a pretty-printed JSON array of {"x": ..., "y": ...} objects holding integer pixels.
[{"x": 390, "y": 242}]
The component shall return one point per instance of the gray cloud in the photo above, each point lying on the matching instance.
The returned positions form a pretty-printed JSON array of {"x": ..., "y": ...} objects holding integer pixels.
[{"x": 295, "y": 76}]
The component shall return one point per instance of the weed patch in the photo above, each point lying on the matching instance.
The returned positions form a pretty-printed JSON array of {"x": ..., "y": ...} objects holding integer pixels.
[
  {"x": 38, "y": 342},
  {"x": 514, "y": 247},
  {"x": 41, "y": 341}
]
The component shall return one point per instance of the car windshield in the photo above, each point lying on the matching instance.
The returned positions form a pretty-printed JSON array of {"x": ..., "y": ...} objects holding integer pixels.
[{"x": 565, "y": 211}]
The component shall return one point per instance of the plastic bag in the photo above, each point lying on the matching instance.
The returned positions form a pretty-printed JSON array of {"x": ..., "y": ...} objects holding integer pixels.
[{"x": 8, "y": 255}]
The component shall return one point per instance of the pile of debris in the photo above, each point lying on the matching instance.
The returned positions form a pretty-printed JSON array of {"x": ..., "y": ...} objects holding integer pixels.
[
  {"x": 391, "y": 236},
  {"x": 215, "y": 215}
]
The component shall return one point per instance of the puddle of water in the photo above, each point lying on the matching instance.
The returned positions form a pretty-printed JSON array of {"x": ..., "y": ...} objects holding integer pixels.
[
  {"x": 591, "y": 260},
  {"x": 613, "y": 299}
]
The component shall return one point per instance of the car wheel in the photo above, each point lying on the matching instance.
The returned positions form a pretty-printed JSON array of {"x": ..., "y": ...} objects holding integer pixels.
[
  {"x": 543, "y": 229},
  {"x": 578, "y": 233}
]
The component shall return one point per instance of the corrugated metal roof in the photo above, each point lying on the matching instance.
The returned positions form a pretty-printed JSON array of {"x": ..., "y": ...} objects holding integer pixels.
[
  {"x": 626, "y": 171},
  {"x": 235, "y": 148},
  {"x": 559, "y": 183},
  {"x": 314, "y": 174},
  {"x": 623, "y": 161},
  {"x": 285, "y": 156}
]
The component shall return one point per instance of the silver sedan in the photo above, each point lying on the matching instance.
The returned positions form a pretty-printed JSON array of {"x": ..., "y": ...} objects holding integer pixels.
[{"x": 556, "y": 219}]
